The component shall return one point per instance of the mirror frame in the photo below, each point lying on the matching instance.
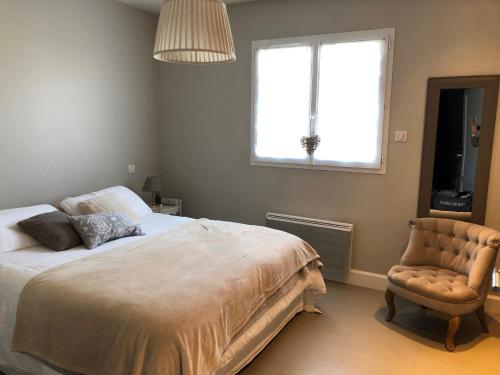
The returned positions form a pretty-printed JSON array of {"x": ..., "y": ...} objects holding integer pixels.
[{"x": 434, "y": 87}]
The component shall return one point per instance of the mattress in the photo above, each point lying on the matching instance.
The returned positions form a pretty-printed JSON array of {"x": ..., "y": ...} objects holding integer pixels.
[
  {"x": 293, "y": 298},
  {"x": 18, "y": 267}
]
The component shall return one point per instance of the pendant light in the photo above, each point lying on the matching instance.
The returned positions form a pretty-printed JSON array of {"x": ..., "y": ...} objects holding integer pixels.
[{"x": 194, "y": 32}]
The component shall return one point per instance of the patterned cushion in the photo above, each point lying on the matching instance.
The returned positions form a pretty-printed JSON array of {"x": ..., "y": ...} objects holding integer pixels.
[
  {"x": 433, "y": 282},
  {"x": 98, "y": 229}
]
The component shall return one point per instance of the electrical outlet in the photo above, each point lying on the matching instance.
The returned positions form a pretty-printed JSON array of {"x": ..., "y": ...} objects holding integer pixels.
[
  {"x": 400, "y": 136},
  {"x": 131, "y": 169}
]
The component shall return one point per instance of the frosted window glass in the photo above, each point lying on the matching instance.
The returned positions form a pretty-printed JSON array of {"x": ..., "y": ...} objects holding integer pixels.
[
  {"x": 283, "y": 101},
  {"x": 349, "y": 119}
]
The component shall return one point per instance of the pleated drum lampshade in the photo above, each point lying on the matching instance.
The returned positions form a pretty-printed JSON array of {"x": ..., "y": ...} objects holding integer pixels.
[{"x": 194, "y": 32}]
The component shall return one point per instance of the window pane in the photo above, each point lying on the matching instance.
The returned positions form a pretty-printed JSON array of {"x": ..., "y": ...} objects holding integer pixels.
[
  {"x": 282, "y": 107},
  {"x": 350, "y": 104}
]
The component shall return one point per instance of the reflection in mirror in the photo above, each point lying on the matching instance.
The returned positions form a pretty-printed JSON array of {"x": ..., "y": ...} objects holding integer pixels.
[
  {"x": 456, "y": 152},
  {"x": 460, "y": 120}
]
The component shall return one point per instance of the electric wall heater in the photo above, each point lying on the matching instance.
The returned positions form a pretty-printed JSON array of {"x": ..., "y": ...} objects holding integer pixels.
[{"x": 330, "y": 239}]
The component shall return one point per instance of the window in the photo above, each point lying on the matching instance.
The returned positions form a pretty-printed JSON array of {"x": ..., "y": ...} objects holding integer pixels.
[{"x": 335, "y": 87}]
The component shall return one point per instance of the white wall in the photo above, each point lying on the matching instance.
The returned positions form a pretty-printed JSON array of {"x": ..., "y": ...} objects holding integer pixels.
[
  {"x": 205, "y": 133},
  {"x": 78, "y": 98}
]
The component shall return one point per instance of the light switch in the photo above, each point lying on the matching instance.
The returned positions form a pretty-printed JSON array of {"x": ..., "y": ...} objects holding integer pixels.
[
  {"x": 131, "y": 169},
  {"x": 400, "y": 136}
]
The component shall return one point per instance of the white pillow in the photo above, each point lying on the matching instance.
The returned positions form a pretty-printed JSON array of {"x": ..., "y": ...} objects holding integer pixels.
[
  {"x": 13, "y": 238},
  {"x": 70, "y": 205}
]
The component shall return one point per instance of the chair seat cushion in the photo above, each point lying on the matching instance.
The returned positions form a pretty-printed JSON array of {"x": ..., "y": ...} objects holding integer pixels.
[{"x": 433, "y": 282}]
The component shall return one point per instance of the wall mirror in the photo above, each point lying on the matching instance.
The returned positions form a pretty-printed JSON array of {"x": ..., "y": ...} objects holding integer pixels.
[{"x": 458, "y": 140}]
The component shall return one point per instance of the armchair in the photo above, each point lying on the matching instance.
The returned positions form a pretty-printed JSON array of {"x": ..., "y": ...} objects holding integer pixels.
[{"x": 446, "y": 267}]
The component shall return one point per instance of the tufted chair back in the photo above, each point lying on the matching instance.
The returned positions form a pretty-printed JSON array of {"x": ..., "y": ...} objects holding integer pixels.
[{"x": 466, "y": 248}]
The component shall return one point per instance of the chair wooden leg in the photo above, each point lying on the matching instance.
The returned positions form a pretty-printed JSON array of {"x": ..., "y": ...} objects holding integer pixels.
[
  {"x": 391, "y": 308},
  {"x": 482, "y": 320},
  {"x": 453, "y": 326}
]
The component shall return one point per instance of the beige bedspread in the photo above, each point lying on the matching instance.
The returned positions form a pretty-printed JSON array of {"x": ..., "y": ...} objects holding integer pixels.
[{"x": 166, "y": 305}]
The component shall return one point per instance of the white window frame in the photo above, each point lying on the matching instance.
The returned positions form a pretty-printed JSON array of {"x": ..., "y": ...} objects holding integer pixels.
[{"x": 388, "y": 35}]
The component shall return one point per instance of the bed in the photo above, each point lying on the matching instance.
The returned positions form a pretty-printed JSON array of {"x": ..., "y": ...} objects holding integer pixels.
[{"x": 220, "y": 346}]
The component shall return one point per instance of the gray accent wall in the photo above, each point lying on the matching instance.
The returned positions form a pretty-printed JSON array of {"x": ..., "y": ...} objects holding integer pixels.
[
  {"x": 205, "y": 123},
  {"x": 78, "y": 98}
]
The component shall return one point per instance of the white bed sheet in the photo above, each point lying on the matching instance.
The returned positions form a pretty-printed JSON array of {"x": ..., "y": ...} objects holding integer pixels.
[{"x": 19, "y": 266}]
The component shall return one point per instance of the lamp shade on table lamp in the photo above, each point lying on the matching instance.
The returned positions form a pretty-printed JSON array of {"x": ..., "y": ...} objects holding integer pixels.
[{"x": 153, "y": 185}]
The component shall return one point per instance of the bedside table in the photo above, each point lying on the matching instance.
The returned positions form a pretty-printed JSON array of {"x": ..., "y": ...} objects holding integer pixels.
[{"x": 169, "y": 207}]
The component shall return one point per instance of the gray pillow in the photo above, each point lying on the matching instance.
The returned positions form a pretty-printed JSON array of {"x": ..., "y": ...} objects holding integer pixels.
[
  {"x": 53, "y": 229},
  {"x": 97, "y": 229}
]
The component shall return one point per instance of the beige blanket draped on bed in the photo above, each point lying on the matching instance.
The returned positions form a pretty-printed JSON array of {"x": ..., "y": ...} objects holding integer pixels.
[{"x": 169, "y": 304}]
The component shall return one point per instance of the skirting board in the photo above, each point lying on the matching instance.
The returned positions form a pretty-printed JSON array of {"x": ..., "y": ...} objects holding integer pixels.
[
  {"x": 369, "y": 280},
  {"x": 492, "y": 304},
  {"x": 378, "y": 281}
]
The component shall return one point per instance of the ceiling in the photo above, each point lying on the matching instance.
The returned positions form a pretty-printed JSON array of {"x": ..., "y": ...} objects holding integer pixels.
[{"x": 154, "y": 6}]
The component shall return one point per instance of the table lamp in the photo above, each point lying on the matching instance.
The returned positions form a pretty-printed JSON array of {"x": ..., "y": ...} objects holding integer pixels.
[{"x": 153, "y": 185}]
